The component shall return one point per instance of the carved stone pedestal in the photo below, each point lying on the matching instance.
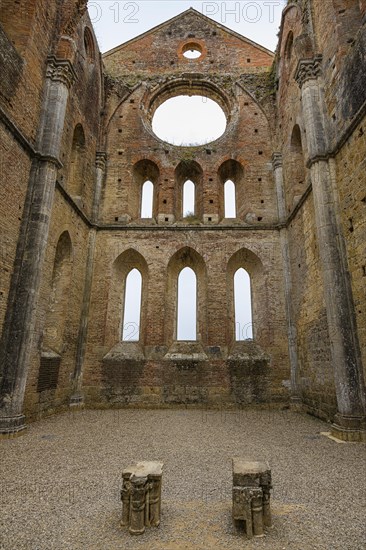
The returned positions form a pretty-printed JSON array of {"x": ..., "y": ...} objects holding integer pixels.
[
  {"x": 251, "y": 495},
  {"x": 141, "y": 496}
]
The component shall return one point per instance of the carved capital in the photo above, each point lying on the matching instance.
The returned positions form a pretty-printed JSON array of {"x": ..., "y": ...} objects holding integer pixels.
[
  {"x": 101, "y": 160},
  {"x": 277, "y": 160},
  {"x": 308, "y": 69},
  {"x": 61, "y": 70}
]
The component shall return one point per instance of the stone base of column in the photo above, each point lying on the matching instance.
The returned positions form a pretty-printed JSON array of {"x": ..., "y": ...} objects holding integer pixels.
[
  {"x": 77, "y": 400},
  {"x": 12, "y": 426},
  {"x": 349, "y": 428}
]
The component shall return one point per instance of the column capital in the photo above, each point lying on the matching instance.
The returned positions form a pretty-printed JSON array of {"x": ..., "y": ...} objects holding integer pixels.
[
  {"x": 277, "y": 160},
  {"x": 61, "y": 70},
  {"x": 101, "y": 160},
  {"x": 308, "y": 69}
]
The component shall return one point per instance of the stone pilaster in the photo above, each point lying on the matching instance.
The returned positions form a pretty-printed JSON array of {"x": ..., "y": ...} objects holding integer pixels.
[
  {"x": 291, "y": 328},
  {"x": 350, "y": 420},
  {"x": 77, "y": 397},
  {"x": 100, "y": 167},
  {"x": 277, "y": 164},
  {"x": 20, "y": 317}
]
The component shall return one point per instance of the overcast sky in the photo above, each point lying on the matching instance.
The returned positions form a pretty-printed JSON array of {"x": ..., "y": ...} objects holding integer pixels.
[{"x": 116, "y": 22}]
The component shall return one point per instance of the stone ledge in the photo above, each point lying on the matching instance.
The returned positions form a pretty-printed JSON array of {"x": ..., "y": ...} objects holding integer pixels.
[
  {"x": 123, "y": 351},
  {"x": 186, "y": 351}
]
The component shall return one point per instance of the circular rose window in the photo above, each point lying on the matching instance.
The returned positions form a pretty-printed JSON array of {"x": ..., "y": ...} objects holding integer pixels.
[{"x": 189, "y": 120}]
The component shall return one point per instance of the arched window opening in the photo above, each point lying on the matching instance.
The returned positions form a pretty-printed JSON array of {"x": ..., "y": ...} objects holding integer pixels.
[
  {"x": 295, "y": 170},
  {"x": 147, "y": 199},
  {"x": 188, "y": 199},
  {"x": 132, "y": 307},
  {"x": 243, "y": 306},
  {"x": 233, "y": 197},
  {"x": 76, "y": 172},
  {"x": 189, "y": 181},
  {"x": 288, "y": 46},
  {"x": 229, "y": 199},
  {"x": 296, "y": 142},
  {"x": 60, "y": 290},
  {"x": 88, "y": 44},
  {"x": 187, "y": 305},
  {"x": 143, "y": 195}
]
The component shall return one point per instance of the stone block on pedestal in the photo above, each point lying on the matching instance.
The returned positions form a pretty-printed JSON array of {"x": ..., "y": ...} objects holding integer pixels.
[
  {"x": 251, "y": 495},
  {"x": 141, "y": 496}
]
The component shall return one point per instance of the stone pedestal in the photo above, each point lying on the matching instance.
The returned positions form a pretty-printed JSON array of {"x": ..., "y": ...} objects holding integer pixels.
[
  {"x": 141, "y": 496},
  {"x": 251, "y": 495}
]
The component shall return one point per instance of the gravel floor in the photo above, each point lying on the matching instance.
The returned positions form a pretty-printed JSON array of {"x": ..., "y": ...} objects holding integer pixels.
[{"x": 60, "y": 483}]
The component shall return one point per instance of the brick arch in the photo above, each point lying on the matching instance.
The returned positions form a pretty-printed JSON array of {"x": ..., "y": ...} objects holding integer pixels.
[
  {"x": 121, "y": 267},
  {"x": 196, "y": 85},
  {"x": 289, "y": 44},
  {"x": 188, "y": 170},
  {"x": 294, "y": 36},
  {"x": 248, "y": 260},
  {"x": 185, "y": 257},
  {"x": 257, "y": 104},
  {"x": 76, "y": 175},
  {"x": 112, "y": 117},
  {"x": 295, "y": 173},
  {"x": 143, "y": 170},
  {"x": 56, "y": 315},
  {"x": 89, "y": 45},
  {"x": 70, "y": 14},
  {"x": 233, "y": 170}
]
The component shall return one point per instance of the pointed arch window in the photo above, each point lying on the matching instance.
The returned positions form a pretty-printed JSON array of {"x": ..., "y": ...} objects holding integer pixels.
[
  {"x": 89, "y": 44},
  {"x": 59, "y": 298},
  {"x": 147, "y": 199},
  {"x": 243, "y": 306},
  {"x": 187, "y": 305},
  {"x": 77, "y": 162},
  {"x": 230, "y": 199},
  {"x": 132, "y": 307},
  {"x": 189, "y": 192}
]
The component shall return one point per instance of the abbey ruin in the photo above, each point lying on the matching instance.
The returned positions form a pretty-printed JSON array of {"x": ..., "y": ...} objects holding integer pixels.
[{"x": 77, "y": 148}]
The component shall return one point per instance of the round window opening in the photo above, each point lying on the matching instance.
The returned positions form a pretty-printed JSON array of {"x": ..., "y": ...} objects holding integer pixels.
[
  {"x": 192, "y": 51},
  {"x": 189, "y": 121}
]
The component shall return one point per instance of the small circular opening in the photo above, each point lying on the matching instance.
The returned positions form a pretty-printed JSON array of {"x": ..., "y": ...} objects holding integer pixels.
[{"x": 192, "y": 51}]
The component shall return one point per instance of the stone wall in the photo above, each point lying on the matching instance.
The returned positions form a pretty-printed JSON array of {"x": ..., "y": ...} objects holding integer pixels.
[
  {"x": 351, "y": 180},
  {"x": 96, "y": 234},
  {"x": 146, "y": 372},
  {"x": 26, "y": 33}
]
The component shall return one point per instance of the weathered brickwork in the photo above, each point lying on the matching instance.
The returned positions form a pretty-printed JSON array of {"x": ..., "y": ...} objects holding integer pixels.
[
  {"x": 215, "y": 346},
  {"x": 14, "y": 170},
  {"x": 309, "y": 315},
  {"x": 351, "y": 178},
  {"x": 76, "y": 148},
  {"x": 64, "y": 219}
]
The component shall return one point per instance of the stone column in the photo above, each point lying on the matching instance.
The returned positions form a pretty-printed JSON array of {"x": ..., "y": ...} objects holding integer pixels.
[
  {"x": 350, "y": 420},
  {"x": 139, "y": 488},
  {"x": 100, "y": 165},
  {"x": 291, "y": 328},
  {"x": 22, "y": 305},
  {"x": 77, "y": 397},
  {"x": 257, "y": 511}
]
